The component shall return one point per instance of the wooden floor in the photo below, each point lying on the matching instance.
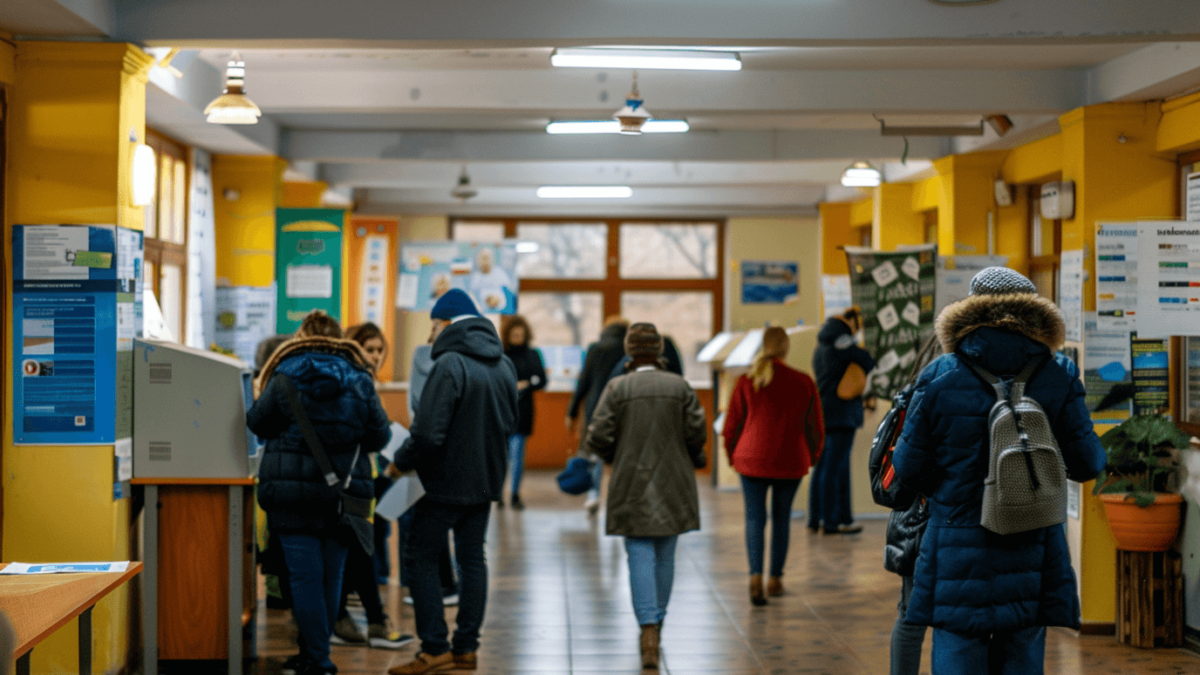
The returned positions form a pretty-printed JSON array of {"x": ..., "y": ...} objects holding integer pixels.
[{"x": 559, "y": 603}]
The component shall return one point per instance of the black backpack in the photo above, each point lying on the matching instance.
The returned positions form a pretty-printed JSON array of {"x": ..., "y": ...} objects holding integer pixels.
[{"x": 885, "y": 489}]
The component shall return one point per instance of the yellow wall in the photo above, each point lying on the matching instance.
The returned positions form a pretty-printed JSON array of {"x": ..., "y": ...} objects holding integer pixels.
[
  {"x": 836, "y": 234},
  {"x": 302, "y": 194},
  {"x": 8, "y": 63},
  {"x": 1179, "y": 130},
  {"x": 244, "y": 229},
  {"x": 862, "y": 212},
  {"x": 72, "y": 107},
  {"x": 789, "y": 239},
  {"x": 893, "y": 221}
]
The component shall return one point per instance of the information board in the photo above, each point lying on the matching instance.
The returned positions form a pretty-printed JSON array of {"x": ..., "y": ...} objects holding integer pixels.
[{"x": 308, "y": 264}]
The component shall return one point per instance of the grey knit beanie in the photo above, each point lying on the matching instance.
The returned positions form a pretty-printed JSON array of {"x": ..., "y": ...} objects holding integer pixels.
[{"x": 1000, "y": 281}]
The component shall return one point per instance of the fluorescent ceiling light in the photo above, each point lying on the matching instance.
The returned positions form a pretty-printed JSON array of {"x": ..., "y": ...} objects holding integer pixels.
[
  {"x": 528, "y": 247},
  {"x": 614, "y": 127},
  {"x": 861, "y": 174},
  {"x": 668, "y": 59},
  {"x": 585, "y": 192}
]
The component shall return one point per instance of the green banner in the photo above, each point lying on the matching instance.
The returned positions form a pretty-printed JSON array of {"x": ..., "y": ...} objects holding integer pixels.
[
  {"x": 308, "y": 264},
  {"x": 895, "y": 292}
]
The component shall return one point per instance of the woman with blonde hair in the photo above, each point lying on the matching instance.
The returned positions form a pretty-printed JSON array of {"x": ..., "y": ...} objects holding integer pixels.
[{"x": 773, "y": 435}]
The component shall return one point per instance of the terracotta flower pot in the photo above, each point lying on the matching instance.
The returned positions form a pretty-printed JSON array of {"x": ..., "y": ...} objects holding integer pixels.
[{"x": 1149, "y": 528}]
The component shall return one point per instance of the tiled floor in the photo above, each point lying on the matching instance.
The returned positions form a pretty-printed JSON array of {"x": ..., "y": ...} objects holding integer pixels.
[{"x": 559, "y": 603}]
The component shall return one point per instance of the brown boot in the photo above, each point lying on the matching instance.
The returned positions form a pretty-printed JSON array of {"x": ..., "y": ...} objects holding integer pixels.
[
  {"x": 424, "y": 663},
  {"x": 757, "y": 598},
  {"x": 775, "y": 587},
  {"x": 650, "y": 646},
  {"x": 466, "y": 661}
]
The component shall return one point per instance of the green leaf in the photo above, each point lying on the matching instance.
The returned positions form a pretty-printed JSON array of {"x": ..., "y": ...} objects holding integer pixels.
[{"x": 1143, "y": 499}]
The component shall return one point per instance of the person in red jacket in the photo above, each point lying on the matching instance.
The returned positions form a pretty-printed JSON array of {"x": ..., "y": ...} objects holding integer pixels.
[{"x": 773, "y": 434}]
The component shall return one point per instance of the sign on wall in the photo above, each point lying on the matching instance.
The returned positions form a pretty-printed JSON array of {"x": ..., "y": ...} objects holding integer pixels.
[
  {"x": 895, "y": 291},
  {"x": 1168, "y": 279},
  {"x": 308, "y": 264},
  {"x": 75, "y": 315},
  {"x": 770, "y": 282},
  {"x": 486, "y": 271}
]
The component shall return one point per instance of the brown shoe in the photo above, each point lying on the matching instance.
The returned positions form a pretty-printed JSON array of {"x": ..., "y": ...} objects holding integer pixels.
[
  {"x": 650, "y": 646},
  {"x": 424, "y": 663},
  {"x": 757, "y": 598},
  {"x": 775, "y": 587},
  {"x": 466, "y": 661}
]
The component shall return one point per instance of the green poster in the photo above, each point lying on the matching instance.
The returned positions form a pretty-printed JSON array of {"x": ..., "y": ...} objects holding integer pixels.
[
  {"x": 308, "y": 264},
  {"x": 895, "y": 292}
]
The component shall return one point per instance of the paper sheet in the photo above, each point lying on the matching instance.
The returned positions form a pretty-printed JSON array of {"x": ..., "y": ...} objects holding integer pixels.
[
  {"x": 64, "y": 568},
  {"x": 399, "y": 435},
  {"x": 1070, "y": 293},
  {"x": 400, "y": 497}
]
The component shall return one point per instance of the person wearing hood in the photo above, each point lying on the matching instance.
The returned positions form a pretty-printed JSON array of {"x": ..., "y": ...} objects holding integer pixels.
[
  {"x": 531, "y": 377},
  {"x": 458, "y": 447},
  {"x": 989, "y": 597},
  {"x": 829, "y": 493},
  {"x": 598, "y": 369},
  {"x": 334, "y": 380}
]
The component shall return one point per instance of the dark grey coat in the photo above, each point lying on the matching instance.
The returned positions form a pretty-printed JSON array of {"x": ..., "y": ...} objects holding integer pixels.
[{"x": 651, "y": 427}]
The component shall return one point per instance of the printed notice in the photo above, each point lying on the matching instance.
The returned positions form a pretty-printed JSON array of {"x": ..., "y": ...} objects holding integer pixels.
[
  {"x": 310, "y": 281},
  {"x": 1116, "y": 276},
  {"x": 65, "y": 568},
  {"x": 1070, "y": 293},
  {"x": 1107, "y": 375},
  {"x": 1193, "y": 197},
  {"x": 1168, "y": 279},
  {"x": 1151, "y": 380}
]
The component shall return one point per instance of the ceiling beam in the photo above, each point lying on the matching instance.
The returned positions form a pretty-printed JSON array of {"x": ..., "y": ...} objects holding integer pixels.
[
  {"x": 58, "y": 18},
  {"x": 516, "y": 146},
  {"x": 682, "y": 22},
  {"x": 584, "y": 92},
  {"x": 1153, "y": 72}
]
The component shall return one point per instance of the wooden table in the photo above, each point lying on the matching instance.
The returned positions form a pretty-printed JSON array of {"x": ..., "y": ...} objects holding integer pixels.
[{"x": 41, "y": 604}]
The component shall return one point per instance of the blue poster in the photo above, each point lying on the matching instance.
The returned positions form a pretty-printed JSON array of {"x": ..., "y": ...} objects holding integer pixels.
[
  {"x": 770, "y": 282},
  {"x": 68, "y": 297}
]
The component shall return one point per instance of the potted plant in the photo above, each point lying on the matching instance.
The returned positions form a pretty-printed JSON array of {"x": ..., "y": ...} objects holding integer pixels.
[{"x": 1141, "y": 467}]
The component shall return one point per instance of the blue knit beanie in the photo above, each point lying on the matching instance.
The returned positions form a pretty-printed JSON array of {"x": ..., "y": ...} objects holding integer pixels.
[{"x": 454, "y": 303}]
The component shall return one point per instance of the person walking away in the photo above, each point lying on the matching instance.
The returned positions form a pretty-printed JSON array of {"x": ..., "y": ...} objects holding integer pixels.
[
  {"x": 651, "y": 427},
  {"x": 671, "y": 356},
  {"x": 531, "y": 377},
  {"x": 995, "y": 593},
  {"x": 837, "y": 352},
  {"x": 602, "y": 358},
  {"x": 458, "y": 448},
  {"x": 331, "y": 381},
  {"x": 360, "y": 572},
  {"x": 773, "y": 434}
]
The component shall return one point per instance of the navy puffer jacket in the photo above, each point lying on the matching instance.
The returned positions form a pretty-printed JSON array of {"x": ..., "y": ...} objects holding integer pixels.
[
  {"x": 338, "y": 394},
  {"x": 969, "y": 580},
  {"x": 836, "y": 350}
]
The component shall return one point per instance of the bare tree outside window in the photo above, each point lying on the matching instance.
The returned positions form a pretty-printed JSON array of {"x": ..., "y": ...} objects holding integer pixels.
[{"x": 668, "y": 251}]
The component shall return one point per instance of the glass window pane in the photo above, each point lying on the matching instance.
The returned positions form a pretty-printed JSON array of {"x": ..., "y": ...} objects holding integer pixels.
[
  {"x": 668, "y": 251},
  {"x": 686, "y": 317},
  {"x": 478, "y": 232},
  {"x": 171, "y": 299},
  {"x": 166, "y": 195},
  {"x": 179, "y": 215},
  {"x": 565, "y": 251},
  {"x": 562, "y": 323}
]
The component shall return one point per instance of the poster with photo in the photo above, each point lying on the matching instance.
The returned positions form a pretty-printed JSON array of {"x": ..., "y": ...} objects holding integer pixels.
[
  {"x": 1107, "y": 375},
  {"x": 486, "y": 271},
  {"x": 766, "y": 282},
  {"x": 895, "y": 291}
]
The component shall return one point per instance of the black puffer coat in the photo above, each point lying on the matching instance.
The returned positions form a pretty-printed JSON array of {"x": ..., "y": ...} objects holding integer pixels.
[
  {"x": 836, "y": 350},
  {"x": 602, "y": 358},
  {"x": 904, "y": 531},
  {"x": 338, "y": 394},
  {"x": 528, "y": 363}
]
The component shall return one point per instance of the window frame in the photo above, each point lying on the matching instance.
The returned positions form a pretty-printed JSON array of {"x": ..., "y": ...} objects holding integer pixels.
[
  {"x": 613, "y": 284},
  {"x": 157, "y": 251},
  {"x": 1051, "y": 261}
]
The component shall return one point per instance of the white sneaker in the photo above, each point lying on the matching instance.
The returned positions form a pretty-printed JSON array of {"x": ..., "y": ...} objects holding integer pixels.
[{"x": 447, "y": 600}]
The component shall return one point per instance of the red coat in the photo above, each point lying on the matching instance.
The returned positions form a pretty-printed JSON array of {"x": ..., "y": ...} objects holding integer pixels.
[{"x": 776, "y": 432}]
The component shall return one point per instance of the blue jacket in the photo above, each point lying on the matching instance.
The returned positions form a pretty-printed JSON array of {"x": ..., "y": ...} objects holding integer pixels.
[
  {"x": 970, "y": 580},
  {"x": 836, "y": 350},
  {"x": 338, "y": 394}
]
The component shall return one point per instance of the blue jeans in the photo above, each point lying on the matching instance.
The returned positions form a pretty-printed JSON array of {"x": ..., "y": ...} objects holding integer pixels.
[
  {"x": 315, "y": 573},
  {"x": 651, "y": 575},
  {"x": 1021, "y": 652},
  {"x": 516, "y": 461},
  {"x": 907, "y": 638},
  {"x": 783, "y": 492},
  {"x": 430, "y": 524},
  {"x": 829, "y": 494}
]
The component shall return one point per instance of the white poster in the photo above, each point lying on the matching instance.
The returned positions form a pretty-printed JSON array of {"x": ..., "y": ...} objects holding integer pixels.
[
  {"x": 954, "y": 274},
  {"x": 1192, "y": 195},
  {"x": 245, "y": 316},
  {"x": 1116, "y": 276},
  {"x": 835, "y": 289},
  {"x": 310, "y": 281},
  {"x": 1168, "y": 279},
  {"x": 1070, "y": 293},
  {"x": 374, "y": 281}
]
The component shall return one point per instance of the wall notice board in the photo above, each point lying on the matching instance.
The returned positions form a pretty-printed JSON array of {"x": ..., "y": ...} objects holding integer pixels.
[{"x": 308, "y": 264}]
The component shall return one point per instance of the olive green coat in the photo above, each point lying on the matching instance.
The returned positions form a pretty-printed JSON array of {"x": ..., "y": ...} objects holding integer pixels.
[{"x": 650, "y": 426}]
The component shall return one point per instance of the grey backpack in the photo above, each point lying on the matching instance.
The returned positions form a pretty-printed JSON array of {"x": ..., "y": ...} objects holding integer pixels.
[{"x": 1026, "y": 486}]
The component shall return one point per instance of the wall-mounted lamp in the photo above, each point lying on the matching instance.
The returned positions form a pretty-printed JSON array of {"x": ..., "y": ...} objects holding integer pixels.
[{"x": 143, "y": 173}]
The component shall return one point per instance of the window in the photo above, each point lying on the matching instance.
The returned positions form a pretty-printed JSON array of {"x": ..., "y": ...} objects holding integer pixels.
[
  {"x": 665, "y": 272},
  {"x": 165, "y": 227}
]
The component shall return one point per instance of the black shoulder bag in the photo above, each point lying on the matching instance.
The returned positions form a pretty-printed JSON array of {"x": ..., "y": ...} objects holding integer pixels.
[{"x": 354, "y": 513}]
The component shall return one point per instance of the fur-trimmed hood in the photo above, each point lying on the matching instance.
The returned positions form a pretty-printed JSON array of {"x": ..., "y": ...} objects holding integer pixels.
[
  {"x": 1023, "y": 313},
  {"x": 347, "y": 349}
]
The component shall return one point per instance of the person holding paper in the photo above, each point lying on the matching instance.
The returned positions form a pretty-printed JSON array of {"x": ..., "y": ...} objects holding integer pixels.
[{"x": 458, "y": 448}]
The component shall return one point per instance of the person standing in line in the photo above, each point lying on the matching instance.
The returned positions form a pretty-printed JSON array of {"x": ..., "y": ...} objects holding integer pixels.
[
  {"x": 531, "y": 377},
  {"x": 651, "y": 427},
  {"x": 988, "y": 596},
  {"x": 773, "y": 434},
  {"x": 359, "y": 575},
  {"x": 602, "y": 358},
  {"x": 332, "y": 379},
  {"x": 459, "y": 449},
  {"x": 837, "y": 352}
]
